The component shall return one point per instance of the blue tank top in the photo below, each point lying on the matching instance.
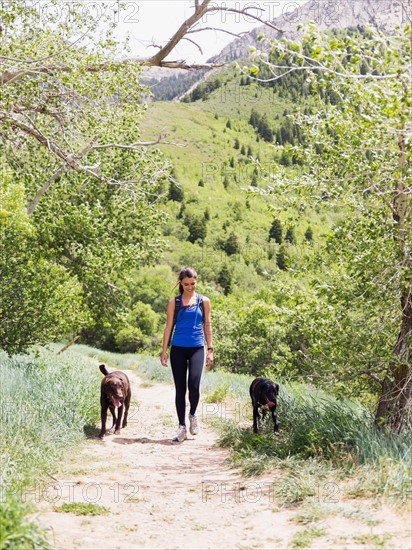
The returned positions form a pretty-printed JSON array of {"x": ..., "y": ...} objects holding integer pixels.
[{"x": 188, "y": 331}]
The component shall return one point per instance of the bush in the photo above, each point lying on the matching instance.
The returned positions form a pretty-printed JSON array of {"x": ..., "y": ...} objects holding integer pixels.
[
  {"x": 131, "y": 340},
  {"x": 143, "y": 317},
  {"x": 40, "y": 300},
  {"x": 176, "y": 192}
]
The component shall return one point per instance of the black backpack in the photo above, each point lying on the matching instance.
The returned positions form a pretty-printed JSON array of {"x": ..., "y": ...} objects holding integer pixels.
[{"x": 177, "y": 309}]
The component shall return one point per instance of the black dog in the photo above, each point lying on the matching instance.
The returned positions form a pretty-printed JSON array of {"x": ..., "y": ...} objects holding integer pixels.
[
  {"x": 264, "y": 395},
  {"x": 115, "y": 393}
]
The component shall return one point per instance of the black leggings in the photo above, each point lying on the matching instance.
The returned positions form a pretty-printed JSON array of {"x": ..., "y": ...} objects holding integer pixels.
[{"x": 181, "y": 359}]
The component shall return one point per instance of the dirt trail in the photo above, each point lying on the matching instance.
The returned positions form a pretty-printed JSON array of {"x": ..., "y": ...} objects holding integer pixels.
[{"x": 170, "y": 495}]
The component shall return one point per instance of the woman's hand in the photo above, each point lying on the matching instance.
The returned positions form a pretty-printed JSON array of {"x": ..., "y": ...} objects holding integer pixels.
[
  {"x": 163, "y": 358},
  {"x": 209, "y": 358}
]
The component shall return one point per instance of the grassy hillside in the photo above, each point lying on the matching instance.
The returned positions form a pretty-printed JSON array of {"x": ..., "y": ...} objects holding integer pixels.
[{"x": 213, "y": 150}]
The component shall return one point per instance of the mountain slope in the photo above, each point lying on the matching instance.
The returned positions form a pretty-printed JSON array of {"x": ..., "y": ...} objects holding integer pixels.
[
  {"x": 383, "y": 14},
  {"x": 210, "y": 146}
]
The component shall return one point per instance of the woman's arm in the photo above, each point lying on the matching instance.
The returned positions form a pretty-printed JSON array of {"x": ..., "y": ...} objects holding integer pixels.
[{"x": 167, "y": 331}]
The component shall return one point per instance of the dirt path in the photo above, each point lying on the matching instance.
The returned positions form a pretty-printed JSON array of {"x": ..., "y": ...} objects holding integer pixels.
[{"x": 170, "y": 495}]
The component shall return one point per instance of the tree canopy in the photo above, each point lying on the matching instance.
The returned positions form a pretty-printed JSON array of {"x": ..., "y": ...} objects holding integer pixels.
[
  {"x": 358, "y": 149},
  {"x": 79, "y": 190}
]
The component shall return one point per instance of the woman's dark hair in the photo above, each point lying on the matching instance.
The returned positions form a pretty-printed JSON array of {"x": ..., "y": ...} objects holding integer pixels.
[{"x": 185, "y": 272}]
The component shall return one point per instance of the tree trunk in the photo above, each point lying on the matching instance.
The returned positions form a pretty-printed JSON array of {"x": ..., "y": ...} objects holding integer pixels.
[{"x": 395, "y": 403}]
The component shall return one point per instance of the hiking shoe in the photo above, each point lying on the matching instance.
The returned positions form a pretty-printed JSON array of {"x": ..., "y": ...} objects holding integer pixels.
[
  {"x": 194, "y": 426},
  {"x": 180, "y": 434}
]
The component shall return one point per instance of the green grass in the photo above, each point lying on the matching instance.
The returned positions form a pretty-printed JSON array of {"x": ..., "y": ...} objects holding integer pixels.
[
  {"x": 304, "y": 538},
  {"x": 200, "y": 148},
  {"x": 17, "y": 532},
  {"x": 82, "y": 509},
  {"x": 375, "y": 541},
  {"x": 217, "y": 396},
  {"x": 49, "y": 405},
  {"x": 322, "y": 441}
]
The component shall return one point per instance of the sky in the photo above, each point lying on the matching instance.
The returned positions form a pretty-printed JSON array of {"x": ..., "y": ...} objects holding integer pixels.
[{"x": 155, "y": 21}]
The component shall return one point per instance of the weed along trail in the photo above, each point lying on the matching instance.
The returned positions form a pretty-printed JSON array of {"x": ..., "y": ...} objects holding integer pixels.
[{"x": 141, "y": 490}]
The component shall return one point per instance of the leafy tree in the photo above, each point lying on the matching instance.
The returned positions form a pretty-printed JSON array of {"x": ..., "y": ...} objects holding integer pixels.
[
  {"x": 143, "y": 317},
  {"x": 263, "y": 334},
  {"x": 131, "y": 339},
  {"x": 281, "y": 259},
  {"x": 176, "y": 191},
  {"x": 224, "y": 279},
  {"x": 182, "y": 210},
  {"x": 152, "y": 285},
  {"x": 89, "y": 186},
  {"x": 197, "y": 226},
  {"x": 363, "y": 163},
  {"x": 285, "y": 158},
  {"x": 231, "y": 244}
]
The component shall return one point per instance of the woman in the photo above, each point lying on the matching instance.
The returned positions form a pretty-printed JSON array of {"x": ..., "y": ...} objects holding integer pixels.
[{"x": 189, "y": 316}]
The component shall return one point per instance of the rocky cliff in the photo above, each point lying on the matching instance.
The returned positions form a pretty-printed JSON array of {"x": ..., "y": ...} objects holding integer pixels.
[{"x": 327, "y": 14}]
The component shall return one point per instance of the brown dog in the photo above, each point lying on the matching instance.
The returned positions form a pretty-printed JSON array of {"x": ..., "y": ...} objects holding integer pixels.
[{"x": 115, "y": 393}]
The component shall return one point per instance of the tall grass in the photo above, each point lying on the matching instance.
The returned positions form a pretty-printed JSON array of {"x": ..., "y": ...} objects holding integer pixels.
[
  {"x": 320, "y": 436},
  {"x": 48, "y": 403},
  {"x": 148, "y": 366}
]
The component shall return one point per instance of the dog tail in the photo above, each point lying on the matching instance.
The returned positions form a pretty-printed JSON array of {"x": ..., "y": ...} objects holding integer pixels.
[{"x": 103, "y": 369}]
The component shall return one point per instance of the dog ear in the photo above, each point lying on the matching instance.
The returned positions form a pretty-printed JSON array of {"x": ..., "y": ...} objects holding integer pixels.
[{"x": 277, "y": 388}]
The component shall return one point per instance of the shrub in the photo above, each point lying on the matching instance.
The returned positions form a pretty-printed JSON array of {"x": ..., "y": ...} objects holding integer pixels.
[
  {"x": 131, "y": 339},
  {"x": 176, "y": 192}
]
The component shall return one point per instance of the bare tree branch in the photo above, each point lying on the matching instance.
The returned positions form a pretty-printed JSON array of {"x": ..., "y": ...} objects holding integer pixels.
[
  {"x": 32, "y": 206},
  {"x": 200, "y": 11},
  {"x": 157, "y": 60},
  {"x": 236, "y": 35},
  {"x": 136, "y": 144},
  {"x": 194, "y": 43}
]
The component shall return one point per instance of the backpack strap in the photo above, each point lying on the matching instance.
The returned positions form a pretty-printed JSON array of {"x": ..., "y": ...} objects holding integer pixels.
[
  {"x": 178, "y": 302},
  {"x": 202, "y": 306}
]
